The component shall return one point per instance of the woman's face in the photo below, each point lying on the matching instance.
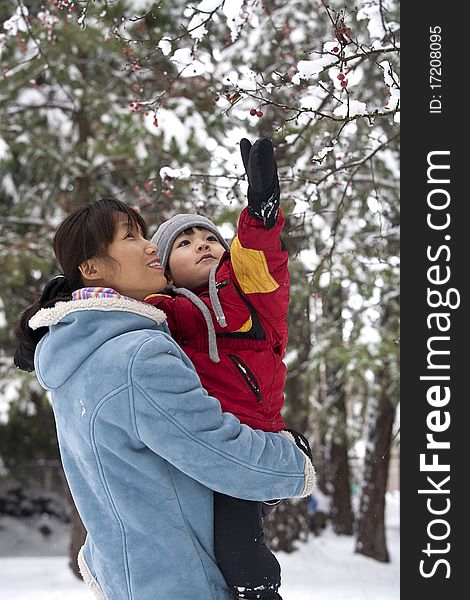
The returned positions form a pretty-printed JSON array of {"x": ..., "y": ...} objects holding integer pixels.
[{"x": 136, "y": 271}]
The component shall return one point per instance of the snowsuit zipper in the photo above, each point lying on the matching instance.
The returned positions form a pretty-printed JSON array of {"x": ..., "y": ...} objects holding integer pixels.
[{"x": 247, "y": 375}]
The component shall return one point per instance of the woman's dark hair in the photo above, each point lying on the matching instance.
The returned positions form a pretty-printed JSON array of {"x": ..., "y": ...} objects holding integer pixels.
[{"x": 85, "y": 233}]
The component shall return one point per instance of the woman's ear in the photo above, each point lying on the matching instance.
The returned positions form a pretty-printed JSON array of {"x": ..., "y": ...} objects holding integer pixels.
[{"x": 90, "y": 270}]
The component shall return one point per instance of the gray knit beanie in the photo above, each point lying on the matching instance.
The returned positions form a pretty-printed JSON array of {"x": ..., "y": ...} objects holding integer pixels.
[{"x": 171, "y": 229}]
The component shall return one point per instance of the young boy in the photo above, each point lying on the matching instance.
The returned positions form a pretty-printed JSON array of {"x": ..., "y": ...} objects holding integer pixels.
[{"x": 228, "y": 309}]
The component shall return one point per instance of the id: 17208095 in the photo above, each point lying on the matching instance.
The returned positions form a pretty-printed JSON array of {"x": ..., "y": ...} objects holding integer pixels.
[{"x": 435, "y": 68}]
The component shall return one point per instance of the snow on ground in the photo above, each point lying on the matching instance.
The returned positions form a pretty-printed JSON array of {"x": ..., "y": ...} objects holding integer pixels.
[{"x": 323, "y": 568}]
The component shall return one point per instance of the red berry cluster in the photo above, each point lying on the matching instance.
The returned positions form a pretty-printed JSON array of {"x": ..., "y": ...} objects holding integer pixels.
[
  {"x": 256, "y": 113},
  {"x": 129, "y": 52},
  {"x": 138, "y": 105},
  {"x": 344, "y": 82},
  {"x": 135, "y": 106},
  {"x": 130, "y": 55},
  {"x": 68, "y": 5}
]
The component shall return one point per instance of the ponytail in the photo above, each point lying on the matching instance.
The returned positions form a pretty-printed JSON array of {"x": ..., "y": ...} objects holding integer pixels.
[{"x": 26, "y": 338}]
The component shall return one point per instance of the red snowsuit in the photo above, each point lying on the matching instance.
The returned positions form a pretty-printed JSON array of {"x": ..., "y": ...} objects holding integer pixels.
[{"x": 253, "y": 289}]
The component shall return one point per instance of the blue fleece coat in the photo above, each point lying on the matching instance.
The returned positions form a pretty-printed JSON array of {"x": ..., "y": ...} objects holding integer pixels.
[{"x": 143, "y": 445}]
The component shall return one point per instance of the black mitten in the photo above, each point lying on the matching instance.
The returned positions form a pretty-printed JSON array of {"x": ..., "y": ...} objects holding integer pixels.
[
  {"x": 263, "y": 182},
  {"x": 301, "y": 442}
]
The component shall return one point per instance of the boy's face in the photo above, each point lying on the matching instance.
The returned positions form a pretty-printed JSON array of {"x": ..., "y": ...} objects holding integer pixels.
[{"x": 193, "y": 254}]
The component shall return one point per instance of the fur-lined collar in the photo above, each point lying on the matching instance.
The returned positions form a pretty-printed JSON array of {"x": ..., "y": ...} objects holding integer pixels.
[{"x": 51, "y": 316}]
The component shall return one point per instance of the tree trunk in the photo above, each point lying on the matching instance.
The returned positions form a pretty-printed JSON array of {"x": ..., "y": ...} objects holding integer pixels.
[
  {"x": 336, "y": 451},
  {"x": 82, "y": 120},
  {"x": 341, "y": 511},
  {"x": 84, "y": 180},
  {"x": 337, "y": 464},
  {"x": 370, "y": 538}
]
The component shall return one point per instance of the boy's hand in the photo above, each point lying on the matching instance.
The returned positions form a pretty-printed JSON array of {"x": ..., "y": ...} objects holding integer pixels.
[{"x": 263, "y": 183}]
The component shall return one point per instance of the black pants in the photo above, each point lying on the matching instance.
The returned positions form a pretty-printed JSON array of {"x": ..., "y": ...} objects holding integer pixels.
[{"x": 250, "y": 569}]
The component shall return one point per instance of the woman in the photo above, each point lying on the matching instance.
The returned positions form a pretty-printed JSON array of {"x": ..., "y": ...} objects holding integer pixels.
[{"x": 142, "y": 443}]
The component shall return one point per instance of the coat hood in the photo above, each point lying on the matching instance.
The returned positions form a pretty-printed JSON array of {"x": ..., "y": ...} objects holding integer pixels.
[{"x": 75, "y": 333}]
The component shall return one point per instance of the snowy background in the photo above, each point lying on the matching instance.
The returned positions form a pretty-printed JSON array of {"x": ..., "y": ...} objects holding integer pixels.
[
  {"x": 342, "y": 178},
  {"x": 35, "y": 567}
]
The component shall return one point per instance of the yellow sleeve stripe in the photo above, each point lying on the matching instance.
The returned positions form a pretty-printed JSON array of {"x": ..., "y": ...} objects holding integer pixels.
[
  {"x": 247, "y": 325},
  {"x": 157, "y": 296},
  {"x": 251, "y": 269}
]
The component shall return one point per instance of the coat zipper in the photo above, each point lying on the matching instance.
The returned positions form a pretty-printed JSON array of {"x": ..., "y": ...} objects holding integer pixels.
[{"x": 247, "y": 375}]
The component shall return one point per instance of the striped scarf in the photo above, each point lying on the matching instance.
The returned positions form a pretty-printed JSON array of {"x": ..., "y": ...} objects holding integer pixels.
[{"x": 98, "y": 292}]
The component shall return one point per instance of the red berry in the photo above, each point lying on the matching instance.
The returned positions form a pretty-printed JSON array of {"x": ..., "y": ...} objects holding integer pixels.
[
  {"x": 253, "y": 112},
  {"x": 344, "y": 83},
  {"x": 341, "y": 76},
  {"x": 336, "y": 49},
  {"x": 259, "y": 113}
]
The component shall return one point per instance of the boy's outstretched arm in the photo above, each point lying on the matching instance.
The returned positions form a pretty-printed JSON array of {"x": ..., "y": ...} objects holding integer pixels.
[
  {"x": 258, "y": 257},
  {"x": 263, "y": 182}
]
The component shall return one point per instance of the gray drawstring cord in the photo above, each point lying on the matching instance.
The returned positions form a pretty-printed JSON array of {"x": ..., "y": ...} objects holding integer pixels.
[
  {"x": 219, "y": 313},
  {"x": 213, "y": 353},
  {"x": 217, "y": 307}
]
